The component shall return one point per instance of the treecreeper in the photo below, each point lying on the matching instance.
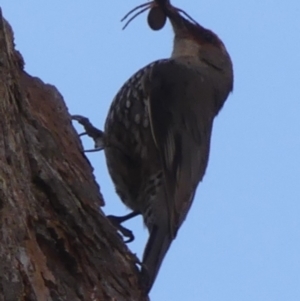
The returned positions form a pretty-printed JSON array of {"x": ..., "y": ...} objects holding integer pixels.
[{"x": 158, "y": 129}]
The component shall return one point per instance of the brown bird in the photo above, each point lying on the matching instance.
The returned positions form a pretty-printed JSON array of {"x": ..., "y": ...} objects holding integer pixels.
[{"x": 158, "y": 129}]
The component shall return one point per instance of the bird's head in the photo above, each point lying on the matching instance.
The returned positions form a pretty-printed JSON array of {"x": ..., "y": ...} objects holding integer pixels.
[{"x": 190, "y": 38}]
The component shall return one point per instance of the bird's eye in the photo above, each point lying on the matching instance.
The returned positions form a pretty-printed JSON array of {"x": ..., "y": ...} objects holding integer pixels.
[{"x": 156, "y": 18}]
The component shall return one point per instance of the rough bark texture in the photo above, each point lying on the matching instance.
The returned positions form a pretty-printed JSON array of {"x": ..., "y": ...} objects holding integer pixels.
[{"x": 55, "y": 243}]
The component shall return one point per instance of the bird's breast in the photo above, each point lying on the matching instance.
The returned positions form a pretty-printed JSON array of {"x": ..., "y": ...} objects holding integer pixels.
[
  {"x": 131, "y": 155},
  {"x": 128, "y": 117}
]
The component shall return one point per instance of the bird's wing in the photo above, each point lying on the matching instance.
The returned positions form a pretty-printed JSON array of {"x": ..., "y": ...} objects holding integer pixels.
[{"x": 180, "y": 103}]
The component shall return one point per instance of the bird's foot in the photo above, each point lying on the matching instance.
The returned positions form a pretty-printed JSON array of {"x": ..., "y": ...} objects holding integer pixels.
[
  {"x": 117, "y": 220},
  {"x": 91, "y": 131}
]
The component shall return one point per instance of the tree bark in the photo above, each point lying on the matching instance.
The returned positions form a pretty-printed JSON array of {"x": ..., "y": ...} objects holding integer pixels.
[{"x": 55, "y": 242}]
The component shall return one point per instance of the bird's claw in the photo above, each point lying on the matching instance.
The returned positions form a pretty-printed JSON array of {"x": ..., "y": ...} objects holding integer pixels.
[
  {"x": 125, "y": 232},
  {"x": 117, "y": 220},
  {"x": 91, "y": 131}
]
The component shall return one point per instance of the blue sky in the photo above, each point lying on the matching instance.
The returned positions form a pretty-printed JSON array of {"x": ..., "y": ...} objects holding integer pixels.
[{"x": 241, "y": 240}]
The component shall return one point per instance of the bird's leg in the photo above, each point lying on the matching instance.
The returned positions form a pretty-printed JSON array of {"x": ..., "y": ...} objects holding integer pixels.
[
  {"x": 118, "y": 220},
  {"x": 99, "y": 139},
  {"x": 96, "y": 134}
]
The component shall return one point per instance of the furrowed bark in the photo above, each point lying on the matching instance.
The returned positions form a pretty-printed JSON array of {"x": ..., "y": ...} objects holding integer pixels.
[{"x": 55, "y": 242}]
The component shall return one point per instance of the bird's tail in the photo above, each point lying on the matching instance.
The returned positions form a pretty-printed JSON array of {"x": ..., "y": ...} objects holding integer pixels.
[{"x": 157, "y": 246}]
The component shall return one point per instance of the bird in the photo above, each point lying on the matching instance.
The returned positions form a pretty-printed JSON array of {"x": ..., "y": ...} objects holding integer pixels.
[{"x": 158, "y": 129}]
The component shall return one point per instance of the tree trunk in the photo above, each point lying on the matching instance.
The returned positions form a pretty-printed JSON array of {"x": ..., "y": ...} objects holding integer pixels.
[{"x": 55, "y": 242}]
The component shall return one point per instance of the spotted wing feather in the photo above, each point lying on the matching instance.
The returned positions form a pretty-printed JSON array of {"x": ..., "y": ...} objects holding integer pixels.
[{"x": 181, "y": 113}]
